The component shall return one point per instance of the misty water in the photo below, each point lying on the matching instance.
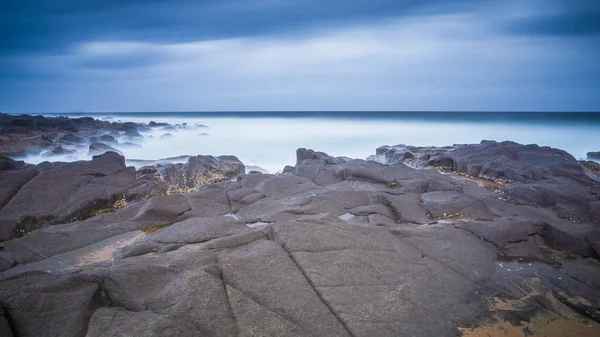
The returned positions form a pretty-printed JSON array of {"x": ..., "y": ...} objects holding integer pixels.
[{"x": 270, "y": 142}]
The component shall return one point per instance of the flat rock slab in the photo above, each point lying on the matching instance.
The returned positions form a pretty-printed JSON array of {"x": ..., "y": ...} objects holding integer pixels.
[{"x": 101, "y": 252}]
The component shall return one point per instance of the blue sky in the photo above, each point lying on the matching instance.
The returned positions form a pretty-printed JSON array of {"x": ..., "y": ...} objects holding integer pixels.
[{"x": 184, "y": 55}]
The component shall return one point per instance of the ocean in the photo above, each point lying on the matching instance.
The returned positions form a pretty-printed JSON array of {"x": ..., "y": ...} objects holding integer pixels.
[{"x": 269, "y": 139}]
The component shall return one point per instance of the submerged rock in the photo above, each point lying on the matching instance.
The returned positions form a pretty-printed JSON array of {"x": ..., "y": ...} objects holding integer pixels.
[
  {"x": 107, "y": 139},
  {"x": 30, "y": 135},
  {"x": 71, "y": 138},
  {"x": 59, "y": 151},
  {"x": 100, "y": 148}
]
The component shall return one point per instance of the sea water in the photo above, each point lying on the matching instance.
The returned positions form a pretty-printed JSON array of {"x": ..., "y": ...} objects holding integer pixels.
[{"x": 270, "y": 139}]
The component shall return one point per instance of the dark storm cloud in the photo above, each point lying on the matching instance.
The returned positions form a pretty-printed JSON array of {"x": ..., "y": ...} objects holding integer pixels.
[
  {"x": 46, "y": 26},
  {"x": 139, "y": 55},
  {"x": 571, "y": 23}
]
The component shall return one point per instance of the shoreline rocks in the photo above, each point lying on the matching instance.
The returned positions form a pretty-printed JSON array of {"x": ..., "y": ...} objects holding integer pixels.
[
  {"x": 25, "y": 135},
  {"x": 523, "y": 174},
  {"x": 477, "y": 239}
]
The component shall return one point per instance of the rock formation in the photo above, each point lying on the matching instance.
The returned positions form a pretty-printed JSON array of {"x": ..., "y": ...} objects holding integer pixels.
[
  {"x": 593, "y": 155},
  {"x": 509, "y": 240},
  {"x": 25, "y": 134}
]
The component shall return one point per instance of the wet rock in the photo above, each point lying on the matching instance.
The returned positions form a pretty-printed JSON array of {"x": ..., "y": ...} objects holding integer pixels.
[
  {"x": 107, "y": 139},
  {"x": 71, "y": 138},
  {"x": 130, "y": 145},
  {"x": 591, "y": 167},
  {"x": 21, "y": 144},
  {"x": 593, "y": 155},
  {"x": 100, "y": 148},
  {"x": 25, "y": 134},
  {"x": 155, "y": 124},
  {"x": 201, "y": 170},
  {"x": 304, "y": 154},
  {"x": 258, "y": 169},
  {"x": 133, "y": 135},
  {"x": 59, "y": 151}
]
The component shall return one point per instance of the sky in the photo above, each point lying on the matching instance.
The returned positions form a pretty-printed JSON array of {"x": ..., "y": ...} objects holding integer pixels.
[{"x": 277, "y": 55}]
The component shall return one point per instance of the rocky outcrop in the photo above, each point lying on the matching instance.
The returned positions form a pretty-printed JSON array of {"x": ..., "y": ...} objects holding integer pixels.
[
  {"x": 9, "y": 164},
  {"x": 524, "y": 174},
  {"x": 333, "y": 247},
  {"x": 50, "y": 193},
  {"x": 25, "y": 135},
  {"x": 591, "y": 166},
  {"x": 593, "y": 155},
  {"x": 197, "y": 171}
]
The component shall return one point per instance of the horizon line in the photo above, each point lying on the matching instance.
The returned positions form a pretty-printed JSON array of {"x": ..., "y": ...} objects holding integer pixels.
[{"x": 304, "y": 111}]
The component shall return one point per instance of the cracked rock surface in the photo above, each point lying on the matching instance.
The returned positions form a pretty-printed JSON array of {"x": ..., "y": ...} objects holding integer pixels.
[{"x": 333, "y": 247}]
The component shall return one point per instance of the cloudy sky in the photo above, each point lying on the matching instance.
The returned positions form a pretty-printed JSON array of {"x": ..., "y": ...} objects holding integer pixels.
[{"x": 214, "y": 55}]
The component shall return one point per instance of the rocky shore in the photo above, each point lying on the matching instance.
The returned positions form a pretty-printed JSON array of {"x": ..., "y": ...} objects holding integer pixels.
[
  {"x": 478, "y": 239},
  {"x": 55, "y": 138}
]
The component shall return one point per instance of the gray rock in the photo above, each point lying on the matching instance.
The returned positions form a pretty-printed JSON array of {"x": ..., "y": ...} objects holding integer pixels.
[
  {"x": 593, "y": 155},
  {"x": 9, "y": 164},
  {"x": 115, "y": 322},
  {"x": 41, "y": 304},
  {"x": 100, "y": 148},
  {"x": 107, "y": 139},
  {"x": 201, "y": 170},
  {"x": 59, "y": 151},
  {"x": 71, "y": 138},
  {"x": 334, "y": 247},
  {"x": 5, "y": 329},
  {"x": 37, "y": 197}
]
